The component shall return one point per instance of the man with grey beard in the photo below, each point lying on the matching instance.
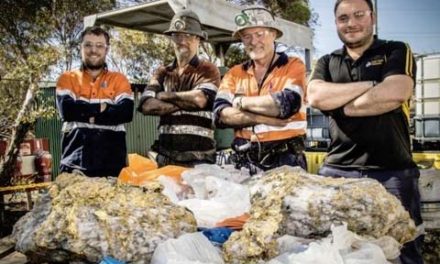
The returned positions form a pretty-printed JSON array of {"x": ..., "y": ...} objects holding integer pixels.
[
  {"x": 94, "y": 103},
  {"x": 182, "y": 94},
  {"x": 365, "y": 88},
  {"x": 263, "y": 98}
]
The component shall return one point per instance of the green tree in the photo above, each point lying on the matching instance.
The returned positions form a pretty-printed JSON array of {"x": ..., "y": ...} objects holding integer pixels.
[
  {"x": 137, "y": 54},
  {"x": 25, "y": 55},
  {"x": 67, "y": 19},
  {"x": 35, "y": 36}
]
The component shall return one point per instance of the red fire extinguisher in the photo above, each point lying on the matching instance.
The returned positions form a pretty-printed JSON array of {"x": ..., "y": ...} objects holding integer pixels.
[{"x": 43, "y": 165}]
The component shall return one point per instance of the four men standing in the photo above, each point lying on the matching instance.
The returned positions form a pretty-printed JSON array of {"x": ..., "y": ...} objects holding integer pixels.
[{"x": 365, "y": 88}]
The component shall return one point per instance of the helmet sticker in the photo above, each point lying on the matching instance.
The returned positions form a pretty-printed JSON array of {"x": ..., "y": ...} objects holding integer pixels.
[
  {"x": 241, "y": 19},
  {"x": 179, "y": 24},
  {"x": 255, "y": 17}
]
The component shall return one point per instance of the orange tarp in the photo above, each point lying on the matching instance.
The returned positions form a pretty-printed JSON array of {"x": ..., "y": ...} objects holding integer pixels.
[
  {"x": 234, "y": 222},
  {"x": 140, "y": 164},
  {"x": 141, "y": 170}
]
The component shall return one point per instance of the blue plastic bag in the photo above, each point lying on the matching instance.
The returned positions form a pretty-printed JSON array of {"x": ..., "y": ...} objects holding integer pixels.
[
  {"x": 110, "y": 260},
  {"x": 217, "y": 235}
]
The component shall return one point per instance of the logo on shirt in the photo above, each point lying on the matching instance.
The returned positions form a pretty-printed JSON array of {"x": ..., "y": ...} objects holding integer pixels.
[
  {"x": 375, "y": 62},
  {"x": 104, "y": 84}
]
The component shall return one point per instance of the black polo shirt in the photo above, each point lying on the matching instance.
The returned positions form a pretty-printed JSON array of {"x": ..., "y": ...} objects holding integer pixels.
[{"x": 370, "y": 142}]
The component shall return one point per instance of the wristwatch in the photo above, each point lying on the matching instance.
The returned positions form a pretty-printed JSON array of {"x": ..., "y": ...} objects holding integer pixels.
[{"x": 238, "y": 102}]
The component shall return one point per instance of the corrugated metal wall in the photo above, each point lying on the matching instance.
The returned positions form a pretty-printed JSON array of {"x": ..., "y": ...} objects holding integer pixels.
[
  {"x": 141, "y": 132},
  {"x": 51, "y": 129}
]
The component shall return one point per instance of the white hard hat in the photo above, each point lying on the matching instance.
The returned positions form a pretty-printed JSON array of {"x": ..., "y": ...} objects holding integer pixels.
[{"x": 253, "y": 17}]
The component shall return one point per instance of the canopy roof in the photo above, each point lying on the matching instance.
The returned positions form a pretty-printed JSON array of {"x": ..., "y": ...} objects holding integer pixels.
[{"x": 217, "y": 18}]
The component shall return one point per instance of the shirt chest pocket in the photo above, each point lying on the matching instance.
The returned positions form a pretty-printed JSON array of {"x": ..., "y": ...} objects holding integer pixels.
[
  {"x": 247, "y": 87},
  {"x": 373, "y": 69},
  {"x": 107, "y": 93}
]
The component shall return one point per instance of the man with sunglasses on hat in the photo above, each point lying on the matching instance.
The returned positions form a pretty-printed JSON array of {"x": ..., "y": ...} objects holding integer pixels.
[
  {"x": 182, "y": 94},
  {"x": 365, "y": 88},
  {"x": 263, "y": 98},
  {"x": 94, "y": 103}
]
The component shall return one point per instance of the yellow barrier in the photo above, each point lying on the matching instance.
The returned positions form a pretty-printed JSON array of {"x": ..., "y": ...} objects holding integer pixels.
[
  {"x": 314, "y": 161},
  {"x": 425, "y": 160},
  {"x": 24, "y": 187}
]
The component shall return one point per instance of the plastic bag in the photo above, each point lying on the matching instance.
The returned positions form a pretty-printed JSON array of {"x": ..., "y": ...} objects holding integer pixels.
[
  {"x": 110, "y": 260},
  {"x": 217, "y": 235},
  {"x": 341, "y": 247},
  {"x": 216, "y": 199},
  {"x": 170, "y": 188},
  {"x": 192, "y": 248},
  {"x": 228, "y": 173},
  {"x": 366, "y": 253},
  {"x": 130, "y": 176}
]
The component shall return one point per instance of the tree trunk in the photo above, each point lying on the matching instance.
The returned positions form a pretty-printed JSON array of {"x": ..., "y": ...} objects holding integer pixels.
[{"x": 19, "y": 131}]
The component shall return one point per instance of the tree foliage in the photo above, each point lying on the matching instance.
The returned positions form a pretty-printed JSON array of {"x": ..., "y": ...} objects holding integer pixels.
[
  {"x": 137, "y": 54},
  {"x": 67, "y": 18},
  {"x": 25, "y": 56},
  {"x": 25, "y": 53},
  {"x": 35, "y": 36}
]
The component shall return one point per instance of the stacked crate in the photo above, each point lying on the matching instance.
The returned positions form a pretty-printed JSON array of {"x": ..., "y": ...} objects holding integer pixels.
[
  {"x": 427, "y": 102},
  {"x": 318, "y": 136}
]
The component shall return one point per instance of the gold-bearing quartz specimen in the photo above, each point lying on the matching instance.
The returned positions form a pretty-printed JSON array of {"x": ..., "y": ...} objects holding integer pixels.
[
  {"x": 288, "y": 200},
  {"x": 83, "y": 219}
]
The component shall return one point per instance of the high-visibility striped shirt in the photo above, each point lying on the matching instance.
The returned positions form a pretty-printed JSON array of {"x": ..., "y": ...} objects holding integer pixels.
[
  {"x": 96, "y": 147},
  {"x": 186, "y": 137},
  {"x": 286, "y": 73}
]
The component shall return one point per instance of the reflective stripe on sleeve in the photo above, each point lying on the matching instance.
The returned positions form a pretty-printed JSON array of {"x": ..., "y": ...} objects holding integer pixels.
[
  {"x": 208, "y": 86},
  {"x": 69, "y": 126},
  {"x": 205, "y": 114},
  {"x": 290, "y": 126},
  {"x": 186, "y": 129},
  {"x": 227, "y": 96}
]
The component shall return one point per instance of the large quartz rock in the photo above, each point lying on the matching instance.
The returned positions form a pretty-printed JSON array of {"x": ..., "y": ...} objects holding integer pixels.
[
  {"x": 83, "y": 219},
  {"x": 290, "y": 201}
]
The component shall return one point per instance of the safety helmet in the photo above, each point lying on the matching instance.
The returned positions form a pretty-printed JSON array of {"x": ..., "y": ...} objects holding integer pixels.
[
  {"x": 186, "y": 21},
  {"x": 256, "y": 16}
]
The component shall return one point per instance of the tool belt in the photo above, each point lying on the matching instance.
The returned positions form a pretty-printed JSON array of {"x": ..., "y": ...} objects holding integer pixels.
[{"x": 263, "y": 154}]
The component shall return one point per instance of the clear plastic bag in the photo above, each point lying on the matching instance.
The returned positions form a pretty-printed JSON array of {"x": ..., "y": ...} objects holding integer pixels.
[
  {"x": 192, "y": 248},
  {"x": 342, "y": 247},
  {"x": 216, "y": 200}
]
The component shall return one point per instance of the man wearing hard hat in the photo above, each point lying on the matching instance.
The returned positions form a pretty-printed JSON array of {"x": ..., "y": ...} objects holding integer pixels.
[
  {"x": 182, "y": 94},
  {"x": 263, "y": 98}
]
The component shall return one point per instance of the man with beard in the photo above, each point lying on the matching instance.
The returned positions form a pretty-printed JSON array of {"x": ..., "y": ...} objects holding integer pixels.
[
  {"x": 263, "y": 98},
  {"x": 365, "y": 88},
  {"x": 94, "y": 103},
  {"x": 182, "y": 94}
]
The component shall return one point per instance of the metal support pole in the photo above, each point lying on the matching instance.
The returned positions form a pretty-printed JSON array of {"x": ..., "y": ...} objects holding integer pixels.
[{"x": 376, "y": 28}]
